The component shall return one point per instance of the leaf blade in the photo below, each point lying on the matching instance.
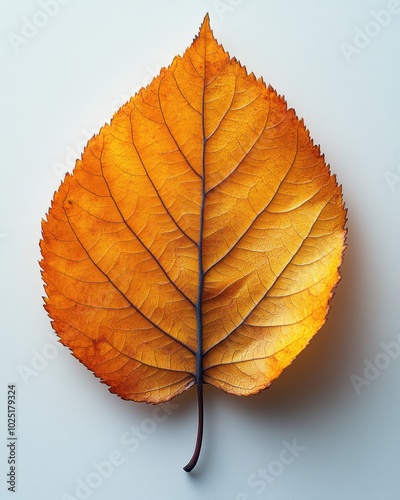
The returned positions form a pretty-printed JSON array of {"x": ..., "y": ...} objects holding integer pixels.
[{"x": 198, "y": 239}]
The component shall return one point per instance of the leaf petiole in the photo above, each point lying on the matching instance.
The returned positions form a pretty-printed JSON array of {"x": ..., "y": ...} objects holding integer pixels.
[{"x": 193, "y": 461}]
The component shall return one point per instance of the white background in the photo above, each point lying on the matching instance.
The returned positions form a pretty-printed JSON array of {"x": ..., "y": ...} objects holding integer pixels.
[{"x": 61, "y": 86}]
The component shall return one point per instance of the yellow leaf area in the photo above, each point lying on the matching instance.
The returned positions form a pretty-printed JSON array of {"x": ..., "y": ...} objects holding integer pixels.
[{"x": 199, "y": 237}]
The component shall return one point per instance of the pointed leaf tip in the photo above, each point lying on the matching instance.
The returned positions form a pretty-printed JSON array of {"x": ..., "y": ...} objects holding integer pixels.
[{"x": 205, "y": 26}]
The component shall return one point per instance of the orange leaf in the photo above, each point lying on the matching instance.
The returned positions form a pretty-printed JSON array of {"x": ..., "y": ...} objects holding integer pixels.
[{"x": 198, "y": 239}]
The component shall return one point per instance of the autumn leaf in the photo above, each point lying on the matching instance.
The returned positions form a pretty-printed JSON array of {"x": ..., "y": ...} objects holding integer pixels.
[{"x": 198, "y": 239}]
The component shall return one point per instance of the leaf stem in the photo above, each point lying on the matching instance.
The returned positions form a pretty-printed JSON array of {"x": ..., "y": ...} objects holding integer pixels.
[
  {"x": 199, "y": 316},
  {"x": 193, "y": 461}
]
